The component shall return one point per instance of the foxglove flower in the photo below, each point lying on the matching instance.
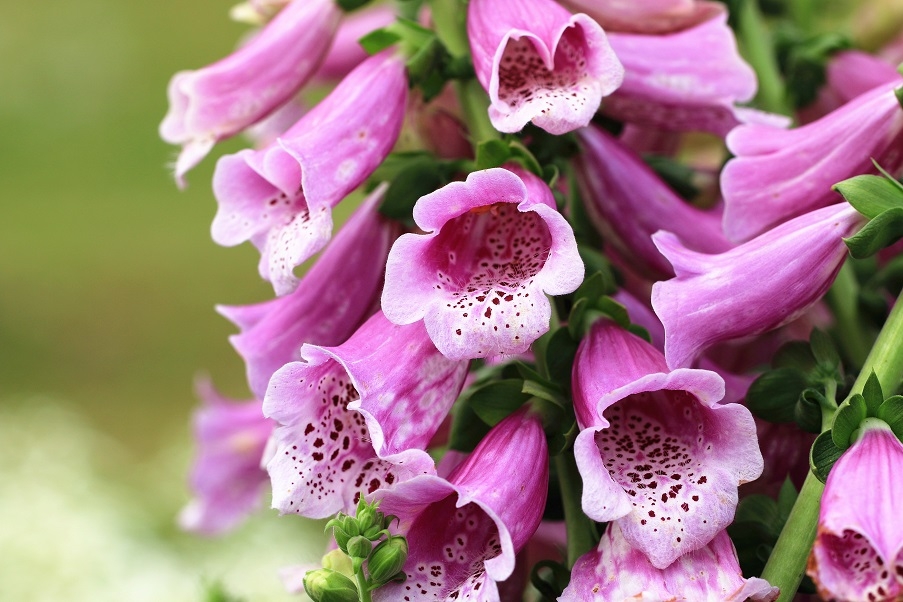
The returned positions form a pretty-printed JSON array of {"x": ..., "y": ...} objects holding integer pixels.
[
  {"x": 628, "y": 203},
  {"x": 357, "y": 417},
  {"x": 779, "y": 174},
  {"x": 493, "y": 245},
  {"x": 684, "y": 81},
  {"x": 848, "y": 74},
  {"x": 656, "y": 450},
  {"x": 617, "y": 570},
  {"x": 463, "y": 532},
  {"x": 540, "y": 64},
  {"x": 222, "y": 99},
  {"x": 647, "y": 16},
  {"x": 328, "y": 306},
  {"x": 281, "y": 197},
  {"x": 858, "y": 552},
  {"x": 228, "y": 480},
  {"x": 750, "y": 289},
  {"x": 346, "y": 53}
]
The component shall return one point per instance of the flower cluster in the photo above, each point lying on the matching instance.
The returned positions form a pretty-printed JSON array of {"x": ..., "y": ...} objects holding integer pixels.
[{"x": 553, "y": 300}]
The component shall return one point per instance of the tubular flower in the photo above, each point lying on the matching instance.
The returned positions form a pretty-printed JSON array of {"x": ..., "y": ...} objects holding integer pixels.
[
  {"x": 647, "y": 16},
  {"x": 750, "y": 289},
  {"x": 858, "y": 552},
  {"x": 224, "y": 98},
  {"x": 628, "y": 203},
  {"x": 328, "y": 306},
  {"x": 540, "y": 64},
  {"x": 684, "y": 81},
  {"x": 779, "y": 174},
  {"x": 463, "y": 532},
  {"x": 280, "y": 197},
  {"x": 227, "y": 479},
  {"x": 493, "y": 245},
  {"x": 656, "y": 450},
  {"x": 617, "y": 570},
  {"x": 357, "y": 417}
]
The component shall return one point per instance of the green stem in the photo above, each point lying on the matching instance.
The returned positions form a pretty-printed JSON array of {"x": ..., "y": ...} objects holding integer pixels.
[
  {"x": 803, "y": 12},
  {"x": 755, "y": 41},
  {"x": 475, "y": 108},
  {"x": 362, "y": 587},
  {"x": 581, "y": 531},
  {"x": 450, "y": 24},
  {"x": 787, "y": 563},
  {"x": 844, "y": 300}
]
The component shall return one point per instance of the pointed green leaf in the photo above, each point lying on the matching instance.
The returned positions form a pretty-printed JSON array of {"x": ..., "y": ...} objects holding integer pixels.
[
  {"x": 870, "y": 195},
  {"x": 823, "y": 348},
  {"x": 872, "y": 394},
  {"x": 774, "y": 394},
  {"x": 467, "y": 428},
  {"x": 575, "y": 319},
  {"x": 898, "y": 92},
  {"x": 795, "y": 354},
  {"x": 823, "y": 455},
  {"x": 786, "y": 499},
  {"x": 887, "y": 175},
  {"x": 495, "y": 401},
  {"x": 640, "y": 332},
  {"x": 891, "y": 412},
  {"x": 492, "y": 153},
  {"x": 420, "y": 176},
  {"x": 594, "y": 287},
  {"x": 847, "y": 419},
  {"x": 525, "y": 157},
  {"x": 377, "y": 41},
  {"x": 760, "y": 509},
  {"x": 882, "y": 231},
  {"x": 615, "y": 310},
  {"x": 560, "y": 357},
  {"x": 544, "y": 391}
]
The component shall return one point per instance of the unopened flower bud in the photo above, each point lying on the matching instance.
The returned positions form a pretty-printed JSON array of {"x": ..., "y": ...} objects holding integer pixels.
[
  {"x": 344, "y": 528},
  {"x": 324, "y": 585},
  {"x": 387, "y": 559},
  {"x": 359, "y": 547}
]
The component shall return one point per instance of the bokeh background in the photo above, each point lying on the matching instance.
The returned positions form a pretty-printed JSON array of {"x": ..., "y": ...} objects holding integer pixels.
[{"x": 108, "y": 279}]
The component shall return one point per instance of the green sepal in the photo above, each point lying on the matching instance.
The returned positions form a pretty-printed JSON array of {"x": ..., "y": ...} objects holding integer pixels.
[
  {"x": 823, "y": 455},
  {"x": 527, "y": 159},
  {"x": 795, "y": 354},
  {"x": 774, "y": 395},
  {"x": 823, "y": 349},
  {"x": 351, "y": 5},
  {"x": 546, "y": 391},
  {"x": 492, "y": 153},
  {"x": 808, "y": 410},
  {"x": 496, "y": 401},
  {"x": 891, "y": 412},
  {"x": 882, "y": 231},
  {"x": 325, "y": 585},
  {"x": 421, "y": 175},
  {"x": 550, "y": 589},
  {"x": 467, "y": 429},
  {"x": 898, "y": 92},
  {"x": 559, "y": 358},
  {"x": 378, "y": 40},
  {"x": 847, "y": 419},
  {"x": 871, "y": 195},
  {"x": 872, "y": 394},
  {"x": 359, "y": 547}
]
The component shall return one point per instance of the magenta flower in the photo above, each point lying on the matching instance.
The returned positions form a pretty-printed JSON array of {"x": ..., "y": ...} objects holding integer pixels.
[
  {"x": 779, "y": 174},
  {"x": 858, "y": 552},
  {"x": 357, "y": 417},
  {"x": 683, "y": 81},
  {"x": 224, "y": 98},
  {"x": 647, "y": 16},
  {"x": 346, "y": 53},
  {"x": 540, "y": 64},
  {"x": 493, "y": 246},
  {"x": 463, "y": 532},
  {"x": 328, "y": 306},
  {"x": 656, "y": 450},
  {"x": 849, "y": 74},
  {"x": 227, "y": 479},
  {"x": 617, "y": 570},
  {"x": 628, "y": 203},
  {"x": 280, "y": 197},
  {"x": 750, "y": 289}
]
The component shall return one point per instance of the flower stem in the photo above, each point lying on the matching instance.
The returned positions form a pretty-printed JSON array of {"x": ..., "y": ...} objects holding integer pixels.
[
  {"x": 475, "y": 109},
  {"x": 787, "y": 563},
  {"x": 755, "y": 41},
  {"x": 362, "y": 588},
  {"x": 843, "y": 297},
  {"x": 581, "y": 531}
]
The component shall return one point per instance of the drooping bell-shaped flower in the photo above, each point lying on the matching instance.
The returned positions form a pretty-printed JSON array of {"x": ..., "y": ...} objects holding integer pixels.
[
  {"x": 224, "y": 98},
  {"x": 617, "y": 570},
  {"x": 690, "y": 80},
  {"x": 494, "y": 246},
  {"x": 463, "y": 532},
  {"x": 647, "y": 16},
  {"x": 778, "y": 174},
  {"x": 346, "y": 53},
  {"x": 858, "y": 552},
  {"x": 327, "y": 307},
  {"x": 657, "y": 451},
  {"x": 750, "y": 289},
  {"x": 357, "y": 417},
  {"x": 281, "y": 197},
  {"x": 540, "y": 64},
  {"x": 227, "y": 478},
  {"x": 628, "y": 203}
]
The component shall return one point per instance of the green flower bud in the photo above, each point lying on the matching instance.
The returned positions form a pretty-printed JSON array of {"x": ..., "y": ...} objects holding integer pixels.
[
  {"x": 344, "y": 528},
  {"x": 359, "y": 547},
  {"x": 387, "y": 560},
  {"x": 324, "y": 585},
  {"x": 339, "y": 562}
]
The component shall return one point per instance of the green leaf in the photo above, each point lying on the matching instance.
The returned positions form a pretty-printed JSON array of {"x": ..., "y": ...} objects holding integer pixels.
[
  {"x": 898, "y": 92},
  {"x": 560, "y": 357},
  {"x": 496, "y": 401},
  {"x": 597, "y": 262},
  {"x": 808, "y": 410},
  {"x": 871, "y": 195},
  {"x": 615, "y": 310},
  {"x": 525, "y": 157},
  {"x": 872, "y": 394},
  {"x": 774, "y": 394},
  {"x": 823, "y": 455},
  {"x": 882, "y": 231},
  {"x": 847, "y": 419},
  {"x": 492, "y": 153},
  {"x": 544, "y": 391},
  {"x": 786, "y": 499},
  {"x": 795, "y": 354},
  {"x": 891, "y": 412},
  {"x": 377, "y": 41},
  {"x": 421, "y": 176},
  {"x": 467, "y": 428},
  {"x": 593, "y": 287},
  {"x": 823, "y": 349},
  {"x": 759, "y": 509},
  {"x": 575, "y": 319}
]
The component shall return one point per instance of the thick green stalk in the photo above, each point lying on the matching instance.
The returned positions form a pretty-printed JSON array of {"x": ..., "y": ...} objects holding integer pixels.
[
  {"x": 475, "y": 106},
  {"x": 362, "y": 589},
  {"x": 581, "y": 531},
  {"x": 844, "y": 300},
  {"x": 757, "y": 47},
  {"x": 787, "y": 563}
]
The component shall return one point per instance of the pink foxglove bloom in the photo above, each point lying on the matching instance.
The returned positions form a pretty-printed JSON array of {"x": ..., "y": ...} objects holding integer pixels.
[
  {"x": 494, "y": 246},
  {"x": 849, "y": 74},
  {"x": 684, "y": 81},
  {"x": 227, "y": 479},
  {"x": 647, "y": 16},
  {"x": 657, "y": 451},
  {"x": 858, "y": 552},
  {"x": 222, "y": 99},
  {"x": 281, "y": 197},
  {"x": 628, "y": 203},
  {"x": 327, "y": 307},
  {"x": 463, "y": 532},
  {"x": 750, "y": 289},
  {"x": 540, "y": 64},
  {"x": 346, "y": 53},
  {"x": 616, "y": 570},
  {"x": 779, "y": 174},
  {"x": 357, "y": 417}
]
